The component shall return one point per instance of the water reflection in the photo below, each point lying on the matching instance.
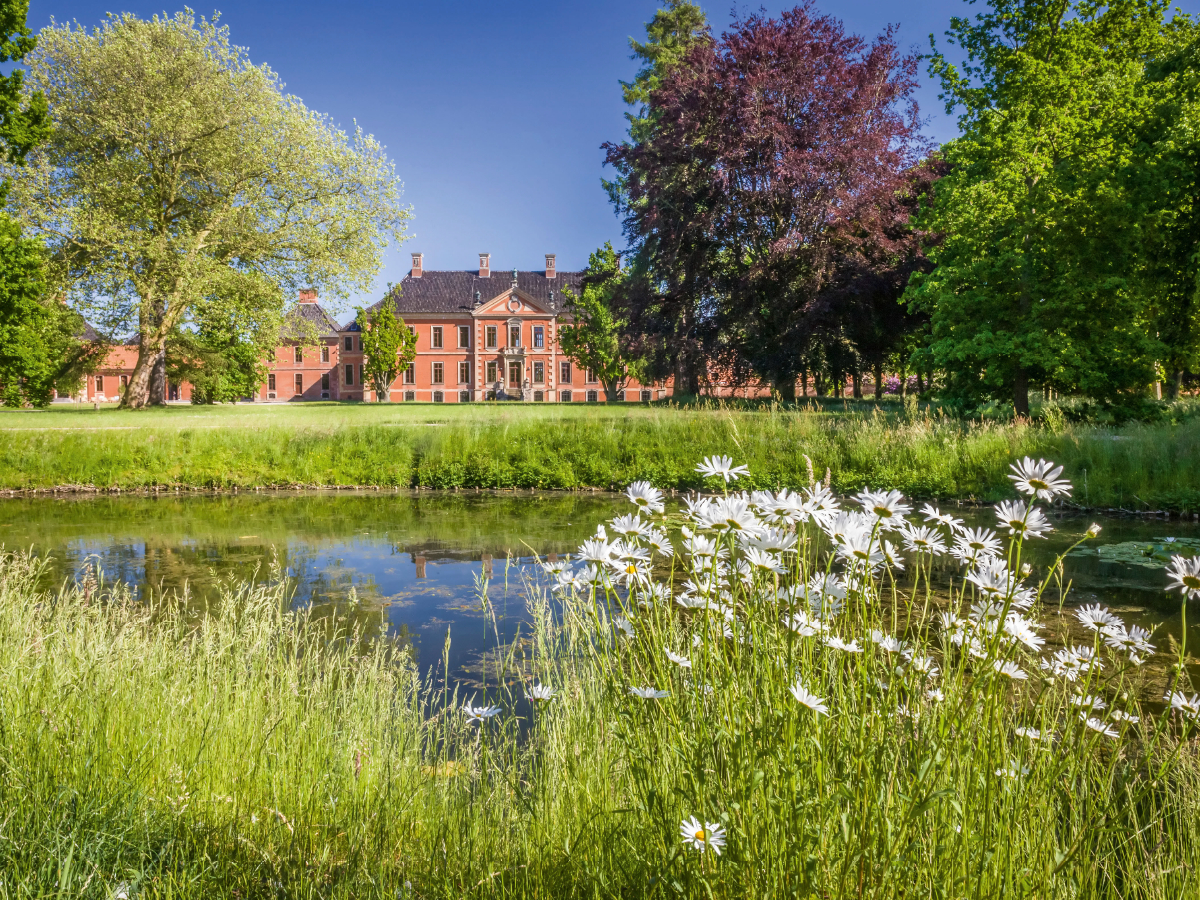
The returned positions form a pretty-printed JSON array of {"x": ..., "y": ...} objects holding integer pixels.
[{"x": 409, "y": 564}]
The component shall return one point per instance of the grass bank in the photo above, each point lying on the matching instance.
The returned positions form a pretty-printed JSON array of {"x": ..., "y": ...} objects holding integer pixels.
[
  {"x": 257, "y": 753},
  {"x": 573, "y": 447}
]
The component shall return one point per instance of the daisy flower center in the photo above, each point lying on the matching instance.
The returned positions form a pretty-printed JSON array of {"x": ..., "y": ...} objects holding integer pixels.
[
  {"x": 699, "y": 835},
  {"x": 1192, "y": 581},
  {"x": 1039, "y": 484}
]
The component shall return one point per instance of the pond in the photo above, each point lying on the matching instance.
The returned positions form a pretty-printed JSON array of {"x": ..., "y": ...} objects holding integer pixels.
[{"x": 409, "y": 564}]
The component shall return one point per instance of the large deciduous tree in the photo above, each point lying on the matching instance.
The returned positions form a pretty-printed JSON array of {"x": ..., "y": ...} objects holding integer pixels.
[
  {"x": 1034, "y": 280},
  {"x": 774, "y": 159},
  {"x": 178, "y": 175},
  {"x": 388, "y": 346}
]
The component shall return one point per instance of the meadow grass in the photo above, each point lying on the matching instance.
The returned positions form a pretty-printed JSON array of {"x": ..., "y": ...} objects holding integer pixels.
[
  {"x": 575, "y": 446},
  {"x": 256, "y": 752}
]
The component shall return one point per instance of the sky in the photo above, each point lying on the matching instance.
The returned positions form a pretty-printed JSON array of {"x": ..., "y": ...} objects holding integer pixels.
[{"x": 493, "y": 112}]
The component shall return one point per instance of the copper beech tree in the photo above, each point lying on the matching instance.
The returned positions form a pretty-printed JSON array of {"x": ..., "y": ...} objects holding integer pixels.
[
  {"x": 180, "y": 182},
  {"x": 768, "y": 174}
]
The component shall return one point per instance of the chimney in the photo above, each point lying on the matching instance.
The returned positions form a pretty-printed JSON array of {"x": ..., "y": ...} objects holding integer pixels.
[
  {"x": 417, "y": 268},
  {"x": 549, "y": 265},
  {"x": 308, "y": 295},
  {"x": 485, "y": 265}
]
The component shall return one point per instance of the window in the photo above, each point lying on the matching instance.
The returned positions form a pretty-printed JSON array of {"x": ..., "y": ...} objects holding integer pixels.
[
  {"x": 439, "y": 397},
  {"x": 359, "y": 345},
  {"x": 564, "y": 373},
  {"x": 589, "y": 377},
  {"x": 100, "y": 384},
  {"x": 299, "y": 383},
  {"x": 591, "y": 397},
  {"x": 538, "y": 397},
  {"x": 646, "y": 398},
  {"x": 491, "y": 372},
  {"x": 349, "y": 372},
  {"x": 270, "y": 382},
  {"x": 464, "y": 396},
  {"x": 299, "y": 354},
  {"x": 360, "y": 378},
  {"x": 435, "y": 338},
  {"x": 621, "y": 396},
  {"x": 514, "y": 374},
  {"x": 464, "y": 373},
  {"x": 410, "y": 373},
  {"x": 539, "y": 373},
  {"x": 325, "y": 382},
  {"x": 539, "y": 336},
  {"x": 410, "y": 396},
  {"x": 514, "y": 335},
  {"x": 490, "y": 333},
  {"x": 439, "y": 373},
  {"x": 324, "y": 353},
  {"x": 349, "y": 344},
  {"x": 464, "y": 335},
  {"x": 565, "y": 397}
]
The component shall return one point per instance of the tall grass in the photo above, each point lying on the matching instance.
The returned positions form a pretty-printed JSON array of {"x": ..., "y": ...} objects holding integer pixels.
[
  {"x": 256, "y": 752},
  {"x": 924, "y": 454}
]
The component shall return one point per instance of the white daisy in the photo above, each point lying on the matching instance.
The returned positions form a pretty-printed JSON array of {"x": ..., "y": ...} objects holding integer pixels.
[
  {"x": 1009, "y": 669},
  {"x": 541, "y": 693},
  {"x": 886, "y": 642},
  {"x": 935, "y": 516},
  {"x": 886, "y": 505},
  {"x": 1026, "y": 732},
  {"x": 624, "y": 626},
  {"x": 1020, "y": 520},
  {"x": 812, "y": 701},
  {"x": 1184, "y": 575},
  {"x": 1097, "y": 618},
  {"x": 709, "y": 836},
  {"x": 645, "y": 496},
  {"x": 836, "y": 643},
  {"x": 479, "y": 713},
  {"x": 648, "y": 693},
  {"x": 1180, "y": 702},
  {"x": 1097, "y": 725},
  {"x": 1039, "y": 479},
  {"x": 682, "y": 661},
  {"x": 1089, "y": 703},
  {"x": 721, "y": 467}
]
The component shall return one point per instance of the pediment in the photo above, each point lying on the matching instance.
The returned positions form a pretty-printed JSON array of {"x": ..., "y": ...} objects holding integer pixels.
[{"x": 504, "y": 304}]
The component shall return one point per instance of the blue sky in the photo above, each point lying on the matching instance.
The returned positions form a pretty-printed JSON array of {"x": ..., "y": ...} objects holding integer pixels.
[{"x": 493, "y": 112}]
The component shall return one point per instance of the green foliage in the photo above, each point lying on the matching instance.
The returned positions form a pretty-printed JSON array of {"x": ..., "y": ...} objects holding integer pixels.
[
  {"x": 1034, "y": 279},
  {"x": 593, "y": 336},
  {"x": 581, "y": 446},
  {"x": 40, "y": 347},
  {"x": 179, "y": 176},
  {"x": 388, "y": 346},
  {"x": 23, "y": 116}
]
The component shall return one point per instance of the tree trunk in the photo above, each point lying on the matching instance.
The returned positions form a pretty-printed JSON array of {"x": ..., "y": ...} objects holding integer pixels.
[
  {"x": 610, "y": 391},
  {"x": 878, "y": 373},
  {"x": 920, "y": 383},
  {"x": 1175, "y": 385},
  {"x": 787, "y": 389},
  {"x": 158, "y": 378},
  {"x": 804, "y": 383},
  {"x": 903, "y": 380},
  {"x": 687, "y": 384},
  {"x": 1021, "y": 393},
  {"x": 819, "y": 383},
  {"x": 856, "y": 378}
]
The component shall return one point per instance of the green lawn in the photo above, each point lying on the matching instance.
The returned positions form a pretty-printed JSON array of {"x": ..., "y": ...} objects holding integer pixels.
[{"x": 578, "y": 446}]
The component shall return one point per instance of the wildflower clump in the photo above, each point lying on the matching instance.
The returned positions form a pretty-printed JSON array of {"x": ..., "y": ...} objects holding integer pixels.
[{"x": 862, "y": 688}]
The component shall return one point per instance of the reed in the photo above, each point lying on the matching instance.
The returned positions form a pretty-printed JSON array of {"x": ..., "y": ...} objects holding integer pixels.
[
  {"x": 816, "y": 719},
  {"x": 920, "y": 452}
]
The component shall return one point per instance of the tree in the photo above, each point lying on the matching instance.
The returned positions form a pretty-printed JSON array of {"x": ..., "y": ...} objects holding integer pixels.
[
  {"x": 223, "y": 359},
  {"x": 388, "y": 346},
  {"x": 178, "y": 175},
  {"x": 1034, "y": 277},
  {"x": 40, "y": 350},
  {"x": 593, "y": 335},
  {"x": 775, "y": 151}
]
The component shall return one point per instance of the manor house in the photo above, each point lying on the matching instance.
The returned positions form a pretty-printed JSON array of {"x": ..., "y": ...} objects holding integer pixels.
[{"x": 481, "y": 335}]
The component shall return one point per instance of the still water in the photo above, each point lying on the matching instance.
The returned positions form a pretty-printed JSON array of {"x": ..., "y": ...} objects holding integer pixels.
[{"x": 410, "y": 564}]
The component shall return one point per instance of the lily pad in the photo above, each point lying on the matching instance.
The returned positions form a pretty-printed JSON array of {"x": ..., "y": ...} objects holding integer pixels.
[{"x": 1155, "y": 554}]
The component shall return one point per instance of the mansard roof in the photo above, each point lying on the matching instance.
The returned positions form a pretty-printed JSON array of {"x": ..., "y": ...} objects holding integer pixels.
[
  {"x": 453, "y": 293},
  {"x": 313, "y": 313}
]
